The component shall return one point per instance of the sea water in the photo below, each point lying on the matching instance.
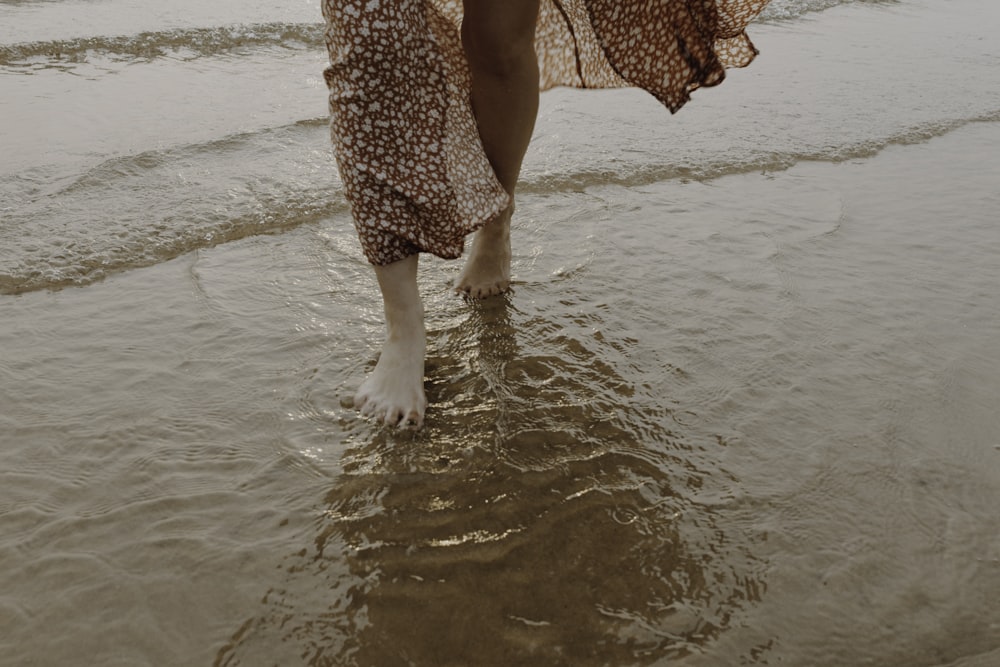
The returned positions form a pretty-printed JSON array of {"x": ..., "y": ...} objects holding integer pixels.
[{"x": 740, "y": 407}]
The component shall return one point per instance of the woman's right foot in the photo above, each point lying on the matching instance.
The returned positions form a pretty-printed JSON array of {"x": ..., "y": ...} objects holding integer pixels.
[{"x": 394, "y": 392}]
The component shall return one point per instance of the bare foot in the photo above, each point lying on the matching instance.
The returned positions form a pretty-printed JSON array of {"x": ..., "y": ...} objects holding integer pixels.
[
  {"x": 487, "y": 270},
  {"x": 394, "y": 392}
]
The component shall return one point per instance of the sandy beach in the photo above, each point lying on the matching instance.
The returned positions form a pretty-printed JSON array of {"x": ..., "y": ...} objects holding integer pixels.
[{"x": 740, "y": 407}]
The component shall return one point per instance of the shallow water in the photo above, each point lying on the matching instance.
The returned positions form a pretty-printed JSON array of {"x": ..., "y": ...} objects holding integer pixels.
[{"x": 740, "y": 408}]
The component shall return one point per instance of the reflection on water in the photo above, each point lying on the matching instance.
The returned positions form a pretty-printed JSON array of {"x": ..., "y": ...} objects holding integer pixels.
[
  {"x": 724, "y": 420},
  {"x": 701, "y": 431},
  {"x": 549, "y": 512}
]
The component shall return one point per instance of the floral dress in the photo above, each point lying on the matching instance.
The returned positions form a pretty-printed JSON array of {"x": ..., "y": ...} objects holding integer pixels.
[{"x": 404, "y": 133}]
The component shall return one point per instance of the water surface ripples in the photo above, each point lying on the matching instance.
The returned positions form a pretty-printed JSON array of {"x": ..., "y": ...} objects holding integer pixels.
[{"x": 738, "y": 409}]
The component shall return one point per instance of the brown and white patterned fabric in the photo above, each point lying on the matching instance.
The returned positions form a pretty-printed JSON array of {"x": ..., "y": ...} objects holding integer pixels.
[{"x": 404, "y": 134}]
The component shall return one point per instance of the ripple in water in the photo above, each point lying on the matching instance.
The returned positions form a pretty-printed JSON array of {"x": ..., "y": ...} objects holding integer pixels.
[{"x": 555, "y": 511}]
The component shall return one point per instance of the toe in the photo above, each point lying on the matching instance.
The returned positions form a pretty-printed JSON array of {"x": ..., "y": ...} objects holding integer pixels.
[
  {"x": 414, "y": 420},
  {"x": 392, "y": 416}
]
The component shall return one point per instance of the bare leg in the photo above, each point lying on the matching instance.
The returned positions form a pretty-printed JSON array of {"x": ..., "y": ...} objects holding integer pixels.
[
  {"x": 394, "y": 392},
  {"x": 498, "y": 36}
]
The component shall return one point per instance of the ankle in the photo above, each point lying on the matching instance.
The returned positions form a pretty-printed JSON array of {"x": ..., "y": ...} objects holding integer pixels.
[
  {"x": 404, "y": 323},
  {"x": 498, "y": 227}
]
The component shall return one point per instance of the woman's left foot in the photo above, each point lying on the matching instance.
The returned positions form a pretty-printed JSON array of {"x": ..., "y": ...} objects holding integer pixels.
[{"x": 487, "y": 270}]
